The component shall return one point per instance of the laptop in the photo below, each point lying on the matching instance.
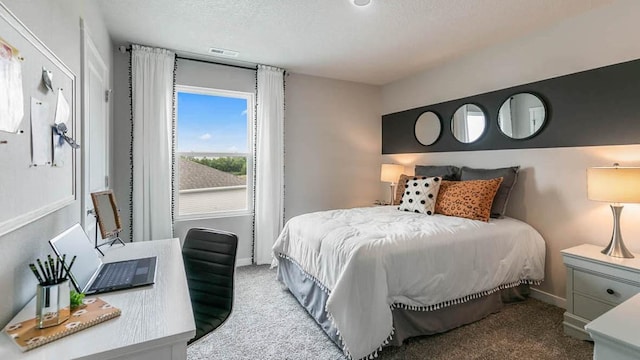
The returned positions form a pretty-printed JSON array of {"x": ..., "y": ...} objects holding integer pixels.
[{"x": 90, "y": 275}]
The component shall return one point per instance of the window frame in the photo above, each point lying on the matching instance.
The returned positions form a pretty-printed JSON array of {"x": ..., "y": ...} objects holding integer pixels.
[{"x": 250, "y": 98}]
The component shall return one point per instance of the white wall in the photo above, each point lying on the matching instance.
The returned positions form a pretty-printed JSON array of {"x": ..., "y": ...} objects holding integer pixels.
[
  {"x": 121, "y": 137},
  {"x": 551, "y": 192},
  {"x": 332, "y": 145},
  {"x": 57, "y": 24}
]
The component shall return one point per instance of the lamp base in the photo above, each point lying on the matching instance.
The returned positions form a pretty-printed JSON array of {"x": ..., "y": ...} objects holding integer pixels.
[
  {"x": 391, "y": 191},
  {"x": 616, "y": 246}
]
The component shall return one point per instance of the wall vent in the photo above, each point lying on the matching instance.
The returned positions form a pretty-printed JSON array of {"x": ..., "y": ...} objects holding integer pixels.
[{"x": 223, "y": 52}]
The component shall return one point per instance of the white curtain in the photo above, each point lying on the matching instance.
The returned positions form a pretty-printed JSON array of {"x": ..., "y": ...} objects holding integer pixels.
[
  {"x": 269, "y": 203},
  {"x": 152, "y": 86}
]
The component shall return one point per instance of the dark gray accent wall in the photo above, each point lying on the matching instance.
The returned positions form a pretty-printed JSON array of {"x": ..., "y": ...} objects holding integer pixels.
[{"x": 594, "y": 107}]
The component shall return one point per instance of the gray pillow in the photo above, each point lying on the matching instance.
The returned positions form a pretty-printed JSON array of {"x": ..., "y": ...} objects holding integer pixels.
[
  {"x": 509, "y": 176},
  {"x": 447, "y": 172}
]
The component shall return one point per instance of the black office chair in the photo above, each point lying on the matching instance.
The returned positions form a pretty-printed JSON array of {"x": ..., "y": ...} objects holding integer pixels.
[{"x": 209, "y": 260}]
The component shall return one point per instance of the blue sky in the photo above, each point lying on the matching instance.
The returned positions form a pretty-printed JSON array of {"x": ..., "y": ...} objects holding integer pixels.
[{"x": 211, "y": 123}]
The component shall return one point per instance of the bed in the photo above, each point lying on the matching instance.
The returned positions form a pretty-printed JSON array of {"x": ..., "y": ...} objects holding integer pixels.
[{"x": 375, "y": 276}]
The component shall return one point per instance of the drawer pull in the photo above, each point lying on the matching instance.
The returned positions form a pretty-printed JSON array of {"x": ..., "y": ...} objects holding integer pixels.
[{"x": 610, "y": 292}]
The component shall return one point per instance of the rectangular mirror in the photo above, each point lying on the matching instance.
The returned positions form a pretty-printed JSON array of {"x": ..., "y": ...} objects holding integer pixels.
[{"x": 107, "y": 214}]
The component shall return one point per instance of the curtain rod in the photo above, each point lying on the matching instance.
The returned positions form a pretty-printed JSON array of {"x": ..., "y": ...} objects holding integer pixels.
[
  {"x": 124, "y": 49},
  {"x": 254, "y": 68}
]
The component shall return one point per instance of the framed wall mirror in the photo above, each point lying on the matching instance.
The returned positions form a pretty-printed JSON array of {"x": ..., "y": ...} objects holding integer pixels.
[
  {"x": 468, "y": 123},
  {"x": 107, "y": 214},
  {"x": 428, "y": 128},
  {"x": 522, "y": 116}
]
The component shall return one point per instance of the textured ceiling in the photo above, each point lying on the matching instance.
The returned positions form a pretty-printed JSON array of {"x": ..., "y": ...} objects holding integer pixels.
[{"x": 377, "y": 44}]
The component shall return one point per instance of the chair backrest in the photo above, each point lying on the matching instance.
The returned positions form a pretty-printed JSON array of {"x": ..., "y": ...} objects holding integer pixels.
[{"x": 209, "y": 260}]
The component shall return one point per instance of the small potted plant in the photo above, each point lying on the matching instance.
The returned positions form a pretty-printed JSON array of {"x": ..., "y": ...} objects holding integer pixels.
[{"x": 76, "y": 299}]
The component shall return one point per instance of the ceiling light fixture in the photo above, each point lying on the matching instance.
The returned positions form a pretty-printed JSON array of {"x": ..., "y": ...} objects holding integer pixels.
[{"x": 361, "y": 2}]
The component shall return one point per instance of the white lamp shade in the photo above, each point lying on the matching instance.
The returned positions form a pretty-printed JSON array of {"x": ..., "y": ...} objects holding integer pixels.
[
  {"x": 391, "y": 172},
  {"x": 614, "y": 184}
]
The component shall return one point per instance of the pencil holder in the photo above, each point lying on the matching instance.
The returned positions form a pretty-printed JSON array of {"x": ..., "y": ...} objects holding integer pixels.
[{"x": 52, "y": 304}]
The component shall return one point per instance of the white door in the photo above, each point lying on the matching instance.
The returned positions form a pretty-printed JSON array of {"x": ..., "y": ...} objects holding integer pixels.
[{"x": 95, "y": 115}]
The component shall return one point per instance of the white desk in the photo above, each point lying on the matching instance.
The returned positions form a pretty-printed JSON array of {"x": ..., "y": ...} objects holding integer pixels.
[
  {"x": 616, "y": 334},
  {"x": 156, "y": 321}
]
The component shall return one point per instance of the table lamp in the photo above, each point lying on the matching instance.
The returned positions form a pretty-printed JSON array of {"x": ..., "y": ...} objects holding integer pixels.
[
  {"x": 615, "y": 185},
  {"x": 390, "y": 173}
]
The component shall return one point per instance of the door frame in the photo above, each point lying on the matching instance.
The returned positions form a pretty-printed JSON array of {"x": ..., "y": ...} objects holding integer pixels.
[{"x": 88, "y": 46}]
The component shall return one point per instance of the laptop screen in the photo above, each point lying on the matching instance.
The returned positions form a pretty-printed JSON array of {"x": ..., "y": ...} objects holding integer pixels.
[{"x": 75, "y": 241}]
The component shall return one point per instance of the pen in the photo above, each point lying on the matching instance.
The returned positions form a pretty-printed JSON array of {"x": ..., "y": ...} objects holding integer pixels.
[
  {"x": 53, "y": 269},
  {"x": 44, "y": 273},
  {"x": 49, "y": 274},
  {"x": 35, "y": 272},
  {"x": 64, "y": 256},
  {"x": 70, "y": 265}
]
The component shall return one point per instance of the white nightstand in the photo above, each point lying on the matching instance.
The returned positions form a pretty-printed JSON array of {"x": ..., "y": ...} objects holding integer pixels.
[{"x": 596, "y": 283}]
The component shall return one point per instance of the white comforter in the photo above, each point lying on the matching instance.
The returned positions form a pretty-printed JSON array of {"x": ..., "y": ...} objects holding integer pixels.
[{"x": 371, "y": 258}]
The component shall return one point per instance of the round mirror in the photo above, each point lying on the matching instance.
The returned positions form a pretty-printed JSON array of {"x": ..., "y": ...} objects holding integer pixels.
[
  {"x": 428, "y": 128},
  {"x": 521, "y": 116},
  {"x": 468, "y": 123}
]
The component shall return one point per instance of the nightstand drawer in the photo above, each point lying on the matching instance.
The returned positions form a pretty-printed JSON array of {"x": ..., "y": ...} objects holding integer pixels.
[
  {"x": 601, "y": 288},
  {"x": 588, "y": 308}
]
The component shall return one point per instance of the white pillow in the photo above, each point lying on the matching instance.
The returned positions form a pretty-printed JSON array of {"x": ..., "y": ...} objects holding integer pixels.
[{"x": 420, "y": 194}]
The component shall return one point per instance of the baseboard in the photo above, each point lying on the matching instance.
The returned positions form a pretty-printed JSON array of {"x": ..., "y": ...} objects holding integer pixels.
[
  {"x": 548, "y": 298},
  {"x": 243, "y": 262}
]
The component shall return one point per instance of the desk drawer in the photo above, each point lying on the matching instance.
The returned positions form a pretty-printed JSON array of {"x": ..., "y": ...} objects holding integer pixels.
[
  {"x": 588, "y": 308},
  {"x": 601, "y": 288}
]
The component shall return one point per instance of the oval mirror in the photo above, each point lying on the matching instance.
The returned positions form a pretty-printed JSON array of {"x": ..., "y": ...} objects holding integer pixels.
[
  {"x": 468, "y": 123},
  {"x": 521, "y": 116},
  {"x": 428, "y": 128}
]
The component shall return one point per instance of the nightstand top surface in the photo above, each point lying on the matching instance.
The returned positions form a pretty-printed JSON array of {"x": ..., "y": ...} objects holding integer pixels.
[
  {"x": 592, "y": 253},
  {"x": 621, "y": 323}
]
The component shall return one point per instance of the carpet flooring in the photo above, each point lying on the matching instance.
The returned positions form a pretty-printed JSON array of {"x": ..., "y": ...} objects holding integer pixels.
[{"x": 268, "y": 323}]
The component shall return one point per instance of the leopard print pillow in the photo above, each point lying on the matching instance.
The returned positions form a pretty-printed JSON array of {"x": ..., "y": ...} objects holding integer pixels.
[{"x": 470, "y": 199}]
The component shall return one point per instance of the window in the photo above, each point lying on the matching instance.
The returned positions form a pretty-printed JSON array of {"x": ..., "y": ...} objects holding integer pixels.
[
  {"x": 475, "y": 125},
  {"x": 214, "y": 159}
]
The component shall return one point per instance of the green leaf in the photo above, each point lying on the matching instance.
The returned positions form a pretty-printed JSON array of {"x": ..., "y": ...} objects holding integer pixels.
[{"x": 75, "y": 298}]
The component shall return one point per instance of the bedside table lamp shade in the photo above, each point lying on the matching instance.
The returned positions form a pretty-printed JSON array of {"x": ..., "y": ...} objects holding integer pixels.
[
  {"x": 614, "y": 185},
  {"x": 390, "y": 173}
]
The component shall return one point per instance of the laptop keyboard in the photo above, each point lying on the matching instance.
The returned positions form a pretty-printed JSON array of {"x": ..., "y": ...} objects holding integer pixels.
[{"x": 115, "y": 275}]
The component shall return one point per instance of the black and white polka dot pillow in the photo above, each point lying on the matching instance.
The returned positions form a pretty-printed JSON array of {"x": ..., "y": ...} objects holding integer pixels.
[{"x": 420, "y": 194}]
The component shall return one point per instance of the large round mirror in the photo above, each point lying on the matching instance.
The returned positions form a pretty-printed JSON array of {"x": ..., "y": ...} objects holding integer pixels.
[
  {"x": 468, "y": 123},
  {"x": 428, "y": 128},
  {"x": 521, "y": 116}
]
